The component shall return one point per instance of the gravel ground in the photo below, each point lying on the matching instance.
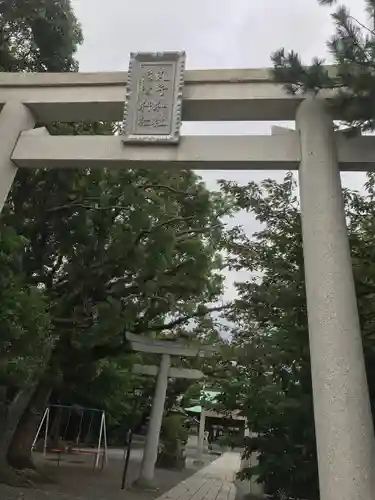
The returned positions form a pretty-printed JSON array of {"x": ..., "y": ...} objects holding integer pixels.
[{"x": 77, "y": 481}]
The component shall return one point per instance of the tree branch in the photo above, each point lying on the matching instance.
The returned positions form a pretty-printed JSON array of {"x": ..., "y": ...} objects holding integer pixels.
[
  {"x": 135, "y": 287},
  {"x": 195, "y": 230},
  {"x": 183, "y": 319},
  {"x": 361, "y": 25},
  {"x": 166, "y": 188},
  {"x": 71, "y": 322},
  {"x": 160, "y": 225},
  {"x": 88, "y": 207}
]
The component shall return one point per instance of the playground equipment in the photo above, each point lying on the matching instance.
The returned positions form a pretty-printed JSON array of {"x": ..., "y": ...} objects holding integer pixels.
[{"x": 100, "y": 452}]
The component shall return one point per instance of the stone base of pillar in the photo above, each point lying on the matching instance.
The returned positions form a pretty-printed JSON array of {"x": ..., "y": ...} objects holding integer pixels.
[
  {"x": 144, "y": 484},
  {"x": 198, "y": 461}
]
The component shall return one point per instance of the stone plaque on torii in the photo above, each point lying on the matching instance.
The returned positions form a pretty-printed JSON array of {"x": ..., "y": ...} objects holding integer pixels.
[
  {"x": 154, "y": 97},
  {"x": 166, "y": 348}
]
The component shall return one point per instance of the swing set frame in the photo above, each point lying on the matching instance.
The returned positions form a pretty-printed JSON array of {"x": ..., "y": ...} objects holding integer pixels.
[{"x": 102, "y": 447}]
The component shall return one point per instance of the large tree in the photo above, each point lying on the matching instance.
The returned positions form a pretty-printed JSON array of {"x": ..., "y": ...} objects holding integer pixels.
[
  {"x": 114, "y": 251},
  {"x": 38, "y": 35},
  {"x": 26, "y": 338},
  {"x": 270, "y": 382},
  {"x": 111, "y": 251}
]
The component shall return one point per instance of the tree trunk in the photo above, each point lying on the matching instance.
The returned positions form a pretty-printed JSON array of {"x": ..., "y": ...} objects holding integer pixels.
[
  {"x": 19, "y": 453},
  {"x": 3, "y": 417},
  {"x": 10, "y": 415}
]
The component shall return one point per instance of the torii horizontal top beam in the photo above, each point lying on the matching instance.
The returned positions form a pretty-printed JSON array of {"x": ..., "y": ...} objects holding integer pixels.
[
  {"x": 274, "y": 152},
  {"x": 174, "y": 372},
  {"x": 209, "y": 95},
  {"x": 174, "y": 348},
  {"x": 229, "y": 415}
]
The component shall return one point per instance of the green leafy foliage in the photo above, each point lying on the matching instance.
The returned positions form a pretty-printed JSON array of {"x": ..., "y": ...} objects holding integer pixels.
[
  {"x": 124, "y": 397},
  {"x": 35, "y": 35},
  {"x": 118, "y": 251},
  {"x": 38, "y": 35},
  {"x": 352, "y": 79},
  {"x": 174, "y": 436},
  {"x": 270, "y": 380},
  {"x": 24, "y": 320},
  {"x": 107, "y": 251}
]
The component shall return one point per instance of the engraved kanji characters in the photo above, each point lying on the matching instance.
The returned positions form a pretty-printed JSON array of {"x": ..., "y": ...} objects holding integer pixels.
[
  {"x": 162, "y": 75},
  {"x": 152, "y": 106},
  {"x": 161, "y": 89},
  {"x": 145, "y": 87},
  {"x": 159, "y": 121},
  {"x": 149, "y": 74}
]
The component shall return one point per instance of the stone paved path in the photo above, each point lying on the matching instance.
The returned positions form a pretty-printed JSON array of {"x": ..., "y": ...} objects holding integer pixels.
[{"x": 214, "y": 482}]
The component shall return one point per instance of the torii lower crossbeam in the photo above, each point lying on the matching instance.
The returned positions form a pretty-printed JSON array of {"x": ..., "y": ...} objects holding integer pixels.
[{"x": 272, "y": 152}]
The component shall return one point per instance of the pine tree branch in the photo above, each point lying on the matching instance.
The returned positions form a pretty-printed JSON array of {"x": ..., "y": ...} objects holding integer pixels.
[
  {"x": 345, "y": 31},
  {"x": 362, "y": 25}
]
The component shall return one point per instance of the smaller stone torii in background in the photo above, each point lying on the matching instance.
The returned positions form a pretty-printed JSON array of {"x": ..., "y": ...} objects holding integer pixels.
[{"x": 166, "y": 348}]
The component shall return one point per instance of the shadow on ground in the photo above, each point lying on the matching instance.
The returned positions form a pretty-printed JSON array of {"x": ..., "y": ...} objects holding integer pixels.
[{"x": 74, "y": 479}]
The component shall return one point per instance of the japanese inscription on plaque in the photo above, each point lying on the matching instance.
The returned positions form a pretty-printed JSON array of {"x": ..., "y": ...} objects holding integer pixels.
[{"x": 154, "y": 97}]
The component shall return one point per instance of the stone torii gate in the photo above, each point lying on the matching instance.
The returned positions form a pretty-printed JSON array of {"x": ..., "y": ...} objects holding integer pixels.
[
  {"x": 167, "y": 349},
  {"x": 344, "y": 431}
]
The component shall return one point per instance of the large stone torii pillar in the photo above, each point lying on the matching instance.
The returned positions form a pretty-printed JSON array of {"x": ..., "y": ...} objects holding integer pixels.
[
  {"x": 343, "y": 420},
  {"x": 163, "y": 372}
]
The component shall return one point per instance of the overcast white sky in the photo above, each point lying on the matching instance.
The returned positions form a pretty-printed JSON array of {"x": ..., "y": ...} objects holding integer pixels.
[{"x": 215, "y": 34}]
